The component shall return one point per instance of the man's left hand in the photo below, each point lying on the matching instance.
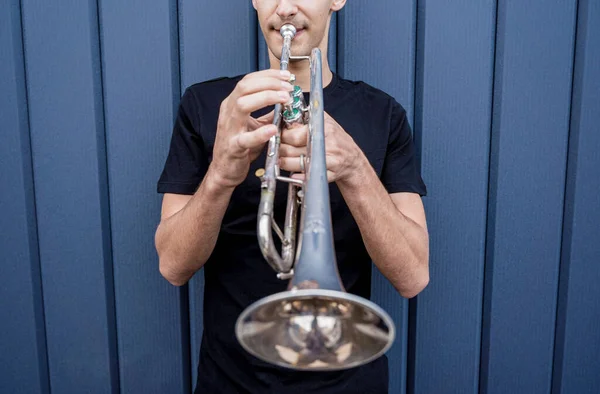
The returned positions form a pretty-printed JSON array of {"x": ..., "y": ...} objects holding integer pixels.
[{"x": 341, "y": 152}]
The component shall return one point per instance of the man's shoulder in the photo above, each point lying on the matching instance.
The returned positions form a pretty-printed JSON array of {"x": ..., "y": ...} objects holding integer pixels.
[
  {"x": 358, "y": 84},
  {"x": 206, "y": 96},
  {"x": 222, "y": 84},
  {"x": 376, "y": 97}
]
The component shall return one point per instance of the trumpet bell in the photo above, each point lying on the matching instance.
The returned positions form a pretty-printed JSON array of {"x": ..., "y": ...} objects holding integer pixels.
[{"x": 315, "y": 330}]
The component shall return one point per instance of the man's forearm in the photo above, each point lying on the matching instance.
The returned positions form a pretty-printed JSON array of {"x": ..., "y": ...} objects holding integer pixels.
[
  {"x": 185, "y": 240},
  {"x": 398, "y": 246}
]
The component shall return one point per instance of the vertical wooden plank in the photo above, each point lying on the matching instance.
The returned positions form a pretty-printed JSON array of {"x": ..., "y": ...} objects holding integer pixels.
[
  {"x": 69, "y": 162},
  {"x": 141, "y": 86},
  {"x": 263, "y": 51},
  {"x": 453, "y": 114},
  {"x": 577, "y": 344},
  {"x": 23, "y": 365},
  {"x": 388, "y": 65},
  {"x": 529, "y": 144},
  {"x": 263, "y": 56},
  {"x": 216, "y": 39},
  {"x": 332, "y": 43}
]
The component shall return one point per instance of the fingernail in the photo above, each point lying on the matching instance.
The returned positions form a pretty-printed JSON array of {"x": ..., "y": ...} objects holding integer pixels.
[
  {"x": 284, "y": 95},
  {"x": 285, "y": 73},
  {"x": 287, "y": 85}
]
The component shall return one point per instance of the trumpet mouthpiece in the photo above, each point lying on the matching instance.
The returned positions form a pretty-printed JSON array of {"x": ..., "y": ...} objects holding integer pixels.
[{"x": 287, "y": 30}]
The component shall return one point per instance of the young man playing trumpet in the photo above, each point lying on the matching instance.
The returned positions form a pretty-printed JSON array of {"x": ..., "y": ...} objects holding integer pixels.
[{"x": 211, "y": 198}]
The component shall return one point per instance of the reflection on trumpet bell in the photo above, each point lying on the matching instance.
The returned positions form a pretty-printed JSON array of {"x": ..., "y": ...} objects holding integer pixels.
[{"x": 315, "y": 330}]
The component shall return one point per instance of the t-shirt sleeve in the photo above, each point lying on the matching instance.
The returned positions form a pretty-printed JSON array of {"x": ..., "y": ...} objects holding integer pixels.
[
  {"x": 400, "y": 171},
  {"x": 187, "y": 161}
]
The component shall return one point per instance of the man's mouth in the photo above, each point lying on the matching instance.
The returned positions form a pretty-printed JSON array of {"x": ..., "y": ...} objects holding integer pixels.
[{"x": 299, "y": 31}]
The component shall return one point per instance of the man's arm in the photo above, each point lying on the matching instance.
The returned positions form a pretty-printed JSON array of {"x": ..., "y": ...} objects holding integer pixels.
[
  {"x": 393, "y": 228},
  {"x": 188, "y": 230},
  {"x": 189, "y": 226}
]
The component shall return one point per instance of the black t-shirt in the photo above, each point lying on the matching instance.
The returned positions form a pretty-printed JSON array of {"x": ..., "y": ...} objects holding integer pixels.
[{"x": 236, "y": 273}]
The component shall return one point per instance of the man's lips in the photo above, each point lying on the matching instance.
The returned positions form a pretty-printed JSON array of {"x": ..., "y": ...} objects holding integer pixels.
[{"x": 298, "y": 31}]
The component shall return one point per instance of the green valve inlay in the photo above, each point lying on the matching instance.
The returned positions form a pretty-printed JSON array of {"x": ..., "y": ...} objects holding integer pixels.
[
  {"x": 297, "y": 103},
  {"x": 297, "y": 91},
  {"x": 287, "y": 114}
]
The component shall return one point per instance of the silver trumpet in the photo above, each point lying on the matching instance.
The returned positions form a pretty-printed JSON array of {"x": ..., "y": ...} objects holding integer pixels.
[{"x": 314, "y": 325}]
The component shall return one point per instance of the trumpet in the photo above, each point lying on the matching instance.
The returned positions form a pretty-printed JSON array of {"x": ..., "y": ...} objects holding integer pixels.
[{"x": 315, "y": 325}]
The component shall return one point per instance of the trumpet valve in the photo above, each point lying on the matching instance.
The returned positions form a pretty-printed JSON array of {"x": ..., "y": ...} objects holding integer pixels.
[{"x": 260, "y": 174}]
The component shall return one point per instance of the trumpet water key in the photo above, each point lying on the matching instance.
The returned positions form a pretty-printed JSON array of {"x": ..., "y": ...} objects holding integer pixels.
[{"x": 315, "y": 324}]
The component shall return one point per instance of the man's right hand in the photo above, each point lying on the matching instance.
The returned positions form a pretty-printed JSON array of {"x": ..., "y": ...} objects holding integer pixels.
[{"x": 240, "y": 137}]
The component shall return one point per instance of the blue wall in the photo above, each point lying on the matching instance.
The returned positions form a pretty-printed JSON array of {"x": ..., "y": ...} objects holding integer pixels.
[{"x": 504, "y": 97}]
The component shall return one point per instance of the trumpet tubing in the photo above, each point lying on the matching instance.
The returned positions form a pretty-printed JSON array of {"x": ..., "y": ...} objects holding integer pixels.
[{"x": 315, "y": 324}]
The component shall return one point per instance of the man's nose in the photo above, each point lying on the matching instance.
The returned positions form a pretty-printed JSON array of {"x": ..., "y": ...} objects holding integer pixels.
[{"x": 286, "y": 9}]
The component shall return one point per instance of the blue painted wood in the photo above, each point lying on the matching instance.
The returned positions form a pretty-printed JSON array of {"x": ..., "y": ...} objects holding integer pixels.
[
  {"x": 216, "y": 39},
  {"x": 263, "y": 51},
  {"x": 71, "y": 196},
  {"x": 577, "y": 346},
  {"x": 206, "y": 53},
  {"x": 332, "y": 43},
  {"x": 529, "y": 144},
  {"x": 56, "y": 179},
  {"x": 23, "y": 365},
  {"x": 376, "y": 44},
  {"x": 141, "y": 88},
  {"x": 453, "y": 115},
  {"x": 387, "y": 64}
]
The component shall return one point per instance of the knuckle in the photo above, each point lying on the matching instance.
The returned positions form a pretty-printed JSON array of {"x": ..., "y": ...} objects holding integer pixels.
[
  {"x": 243, "y": 86},
  {"x": 276, "y": 97},
  {"x": 271, "y": 96},
  {"x": 240, "y": 103},
  {"x": 236, "y": 145},
  {"x": 223, "y": 105}
]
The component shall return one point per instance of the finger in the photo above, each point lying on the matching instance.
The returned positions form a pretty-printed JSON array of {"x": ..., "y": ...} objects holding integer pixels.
[
  {"x": 268, "y": 118},
  {"x": 271, "y": 72},
  {"x": 256, "y": 138},
  {"x": 249, "y": 85},
  {"x": 254, "y": 123},
  {"x": 286, "y": 150},
  {"x": 247, "y": 104},
  {"x": 301, "y": 176},
  {"x": 297, "y": 136},
  {"x": 331, "y": 176},
  {"x": 291, "y": 164}
]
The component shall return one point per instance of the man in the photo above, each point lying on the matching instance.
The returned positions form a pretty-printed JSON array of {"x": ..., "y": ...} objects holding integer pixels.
[{"x": 211, "y": 200}]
